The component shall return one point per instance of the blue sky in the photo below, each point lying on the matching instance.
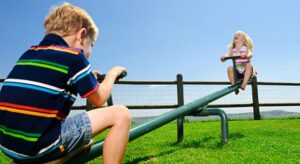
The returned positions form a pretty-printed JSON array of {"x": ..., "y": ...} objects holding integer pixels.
[{"x": 156, "y": 39}]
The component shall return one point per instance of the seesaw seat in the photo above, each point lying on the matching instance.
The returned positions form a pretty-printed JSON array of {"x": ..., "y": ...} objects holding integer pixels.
[{"x": 63, "y": 159}]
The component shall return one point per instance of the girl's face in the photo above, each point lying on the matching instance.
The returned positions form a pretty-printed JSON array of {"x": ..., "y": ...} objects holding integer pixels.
[{"x": 238, "y": 38}]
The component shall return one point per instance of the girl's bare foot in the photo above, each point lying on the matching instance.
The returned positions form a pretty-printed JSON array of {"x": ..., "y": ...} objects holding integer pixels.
[{"x": 243, "y": 86}]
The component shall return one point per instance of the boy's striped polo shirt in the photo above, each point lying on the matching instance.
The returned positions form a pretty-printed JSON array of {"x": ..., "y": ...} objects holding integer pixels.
[{"x": 37, "y": 96}]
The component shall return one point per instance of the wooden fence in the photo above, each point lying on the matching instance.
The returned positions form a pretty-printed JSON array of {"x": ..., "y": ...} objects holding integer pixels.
[{"x": 180, "y": 83}]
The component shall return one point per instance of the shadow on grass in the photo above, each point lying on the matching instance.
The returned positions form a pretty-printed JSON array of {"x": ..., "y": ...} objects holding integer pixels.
[
  {"x": 208, "y": 142},
  {"x": 150, "y": 157},
  {"x": 236, "y": 135}
]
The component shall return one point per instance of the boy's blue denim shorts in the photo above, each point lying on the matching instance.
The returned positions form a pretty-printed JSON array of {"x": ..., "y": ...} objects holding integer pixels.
[{"x": 76, "y": 132}]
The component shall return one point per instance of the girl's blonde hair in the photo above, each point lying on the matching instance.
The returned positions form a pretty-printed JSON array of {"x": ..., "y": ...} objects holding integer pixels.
[
  {"x": 66, "y": 19},
  {"x": 247, "y": 41}
]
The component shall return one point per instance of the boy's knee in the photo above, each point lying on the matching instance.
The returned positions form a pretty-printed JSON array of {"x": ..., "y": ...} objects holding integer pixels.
[{"x": 123, "y": 113}]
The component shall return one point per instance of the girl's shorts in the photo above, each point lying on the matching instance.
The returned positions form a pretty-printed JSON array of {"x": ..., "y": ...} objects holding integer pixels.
[{"x": 240, "y": 75}]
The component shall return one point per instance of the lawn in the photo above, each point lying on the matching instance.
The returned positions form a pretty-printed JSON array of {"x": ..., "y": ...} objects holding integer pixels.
[{"x": 250, "y": 141}]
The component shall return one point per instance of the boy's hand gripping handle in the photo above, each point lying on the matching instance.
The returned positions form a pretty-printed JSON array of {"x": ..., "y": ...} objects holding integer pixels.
[{"x": 101, "y": 77}]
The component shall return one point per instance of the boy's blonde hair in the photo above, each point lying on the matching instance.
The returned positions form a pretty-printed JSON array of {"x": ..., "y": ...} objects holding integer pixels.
[
  {"x": 248, "y": 41},
  {"x": 66, "y": 19}
]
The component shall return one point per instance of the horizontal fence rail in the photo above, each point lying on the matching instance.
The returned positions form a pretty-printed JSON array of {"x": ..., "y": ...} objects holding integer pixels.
[{"x": 186, "y": 83}]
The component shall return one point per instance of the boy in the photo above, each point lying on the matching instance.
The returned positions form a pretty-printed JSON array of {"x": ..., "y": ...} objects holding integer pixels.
[{"x": 37, "y": 95}]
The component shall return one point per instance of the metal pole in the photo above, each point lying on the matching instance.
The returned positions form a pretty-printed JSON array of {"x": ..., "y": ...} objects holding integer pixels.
[
  {"x": 224, "y": 120},
  {"x": 197, "y": 105},
  {"x": 234, "y": 70}
]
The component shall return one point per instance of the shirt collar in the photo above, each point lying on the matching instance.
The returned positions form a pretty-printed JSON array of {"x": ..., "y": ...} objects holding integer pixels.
[
  {"x": 53, "y": 39},
  {"x": 243, "y": 49}
]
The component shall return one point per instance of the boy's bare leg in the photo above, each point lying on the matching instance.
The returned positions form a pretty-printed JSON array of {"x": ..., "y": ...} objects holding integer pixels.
[
  {"x": 117, "y": 118},
  {"x": 247, "y": 76}
]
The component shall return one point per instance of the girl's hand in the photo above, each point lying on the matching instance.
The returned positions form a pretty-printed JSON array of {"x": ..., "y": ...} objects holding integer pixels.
[
  {"x": 222, "y": 58},
  {"x": 243, "y": 55}
]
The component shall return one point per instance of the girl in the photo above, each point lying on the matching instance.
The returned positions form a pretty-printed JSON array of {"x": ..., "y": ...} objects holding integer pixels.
[{"x": 242, "y": 46}]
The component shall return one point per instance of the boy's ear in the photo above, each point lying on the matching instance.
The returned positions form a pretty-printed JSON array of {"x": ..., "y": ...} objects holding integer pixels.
[{"x": 81, "y": 34}]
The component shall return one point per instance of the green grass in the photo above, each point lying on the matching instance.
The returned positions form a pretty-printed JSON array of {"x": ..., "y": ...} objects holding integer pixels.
[{"x": 263, "y": 141}]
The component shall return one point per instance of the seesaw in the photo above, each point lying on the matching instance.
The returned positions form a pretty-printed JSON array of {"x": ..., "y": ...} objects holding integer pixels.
[{"x": 197, "y": 107}]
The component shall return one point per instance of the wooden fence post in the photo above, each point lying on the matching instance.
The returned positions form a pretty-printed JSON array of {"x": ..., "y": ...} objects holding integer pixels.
[
  {"x": 110, "y": 101},
  {"x": 255, "y": 99},
  {"x": 89, "y": 106},
  {"x": 180, "y": 100}
]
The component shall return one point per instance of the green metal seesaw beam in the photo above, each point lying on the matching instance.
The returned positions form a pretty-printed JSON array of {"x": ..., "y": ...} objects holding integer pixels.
[{"x": 194, "y": 106}]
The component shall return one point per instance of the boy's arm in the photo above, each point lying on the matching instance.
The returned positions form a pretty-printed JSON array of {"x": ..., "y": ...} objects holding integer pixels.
[{"x": 103, "y": 92}]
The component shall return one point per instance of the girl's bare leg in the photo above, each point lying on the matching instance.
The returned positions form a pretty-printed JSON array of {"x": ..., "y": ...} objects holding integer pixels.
[
  {"x": 247, "y": 76},
  {"x": 231, "y": 77}
]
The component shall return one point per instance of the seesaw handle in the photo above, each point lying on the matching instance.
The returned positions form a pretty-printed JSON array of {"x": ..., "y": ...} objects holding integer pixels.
[
  {"x": 231, "y": 57},
  {"x": 123, "y": 74}
]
